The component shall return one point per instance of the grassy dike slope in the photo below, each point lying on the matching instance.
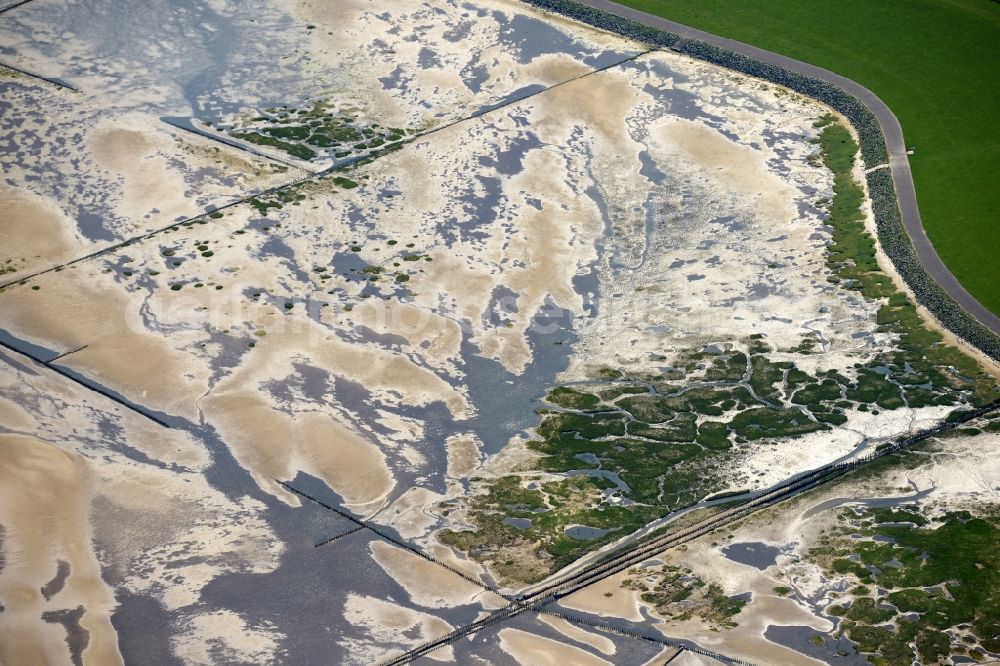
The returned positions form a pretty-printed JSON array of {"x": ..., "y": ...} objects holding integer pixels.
[{"x": 936, "y": 64}]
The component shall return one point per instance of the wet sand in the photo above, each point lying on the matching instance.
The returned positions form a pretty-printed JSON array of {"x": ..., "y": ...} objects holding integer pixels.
[
  {"x": 607, "y": 598},
  {"x": 48, "y": 564},
  {"x": 428, "y": 584},
  {"x": 531, "y": 650},
  {"x": 33, "y": 230},
  {"x": 575, "y": 633},
  {"x": 274, "y": 446},
  {"x": 276, "y": 353}
]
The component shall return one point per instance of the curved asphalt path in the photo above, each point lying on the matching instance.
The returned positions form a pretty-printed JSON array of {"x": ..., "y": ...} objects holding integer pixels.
[{"x": 898, "y": 164}]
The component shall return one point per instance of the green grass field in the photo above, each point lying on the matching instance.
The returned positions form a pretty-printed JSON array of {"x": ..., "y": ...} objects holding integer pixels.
[{"x": 936, "y": 63}]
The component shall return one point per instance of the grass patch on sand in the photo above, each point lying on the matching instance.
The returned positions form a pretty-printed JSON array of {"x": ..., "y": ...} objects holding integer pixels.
[
  {"x": 314, "y": 131},
  {"x": 926, "y": 584},
  {"x": 668, "y": 436}
]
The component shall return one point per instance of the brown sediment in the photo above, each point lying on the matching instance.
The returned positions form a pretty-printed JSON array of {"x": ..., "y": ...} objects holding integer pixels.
[
  {"x": 428, "y": 584},
  {"x": 385, "y": 623},
  {"x": 546, "y": 253},
  {"x": 171, "y": 447},
  {"x": 15, "y": 418},
  {"x": 573, "y": 632},
  {"x": 408, "y": 514},
  {"x": 134, "y": 363},
  {"x": 532, "y": 650},
  {"x": 34, "y": 233},
  {"x": 144, "y": 173},
  {"x": 665, "y": 655},
  {"x": 120, "y": 148},
  {"x": 688, "y": 658},
  {"x": 44, "y": 508},
  {"x": 317, "y": 441},
  {"x": 439, "y": 338},
  {"x": 608, "y": 598},
  {"x": 332, "y": 14},
  {"x": 223, "y": 635},
  {"x": 143, "y": 155},
  {"x": 383, "y": 372},
  {"x": 553, "y": 68},
  {"x": 599, "y": 103},
  {"x": 349, "y": 28},
  {"x": 273, "y": 446},
  {"x": 741, "y": 169},
  {"x": 468, "y": 284},
  {"x": 469, "y": 567},
  {"x": 163, "y": 533},
  {"x": 463, "y": 455},
  {"x": 747, "y": 641},
  {"x": 120, "y": 353},
  {"x": 148, "y": 180}
]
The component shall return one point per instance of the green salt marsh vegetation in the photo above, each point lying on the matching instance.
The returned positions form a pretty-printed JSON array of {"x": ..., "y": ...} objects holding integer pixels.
[
  {"x": 316, "y": 131},
  {"x": 627, "y": 449},
  {"x": 924, "y": 588}
]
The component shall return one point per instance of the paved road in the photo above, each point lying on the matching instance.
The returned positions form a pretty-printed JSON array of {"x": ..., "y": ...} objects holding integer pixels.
[{"x": 901, "y": 175}]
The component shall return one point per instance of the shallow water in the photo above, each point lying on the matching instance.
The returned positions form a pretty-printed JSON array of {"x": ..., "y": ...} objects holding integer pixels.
[
  {"x": 797, "y": 638},
  {"x": 585, "y": 533},
  {"x": 875, "y": 503},
  {"x": 755, "y": 554}
]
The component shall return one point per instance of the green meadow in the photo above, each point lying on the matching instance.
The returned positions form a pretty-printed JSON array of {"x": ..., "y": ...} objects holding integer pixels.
[{"x": 936, "y": 63}]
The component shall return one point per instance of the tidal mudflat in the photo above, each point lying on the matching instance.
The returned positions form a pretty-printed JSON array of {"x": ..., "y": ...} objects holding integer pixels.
[
  {"x": 343, "y": 324},
  {"x": 80, "y": 175}
]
